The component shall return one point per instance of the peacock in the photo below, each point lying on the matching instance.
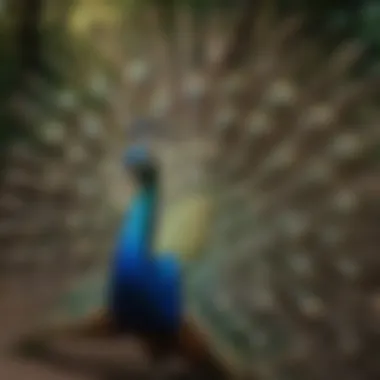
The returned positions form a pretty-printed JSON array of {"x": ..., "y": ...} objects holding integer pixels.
[{"x": 260, "y": 176}]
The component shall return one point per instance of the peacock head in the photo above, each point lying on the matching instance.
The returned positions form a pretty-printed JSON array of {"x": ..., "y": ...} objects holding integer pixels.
[{"x": 140, "y": 161}]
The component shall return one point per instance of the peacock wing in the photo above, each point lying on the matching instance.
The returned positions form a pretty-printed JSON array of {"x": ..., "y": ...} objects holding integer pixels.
[
  {"x": 84, "y": 299},
  {"x": 80, "y": 312},
  {"x": 184, "y": 226}
]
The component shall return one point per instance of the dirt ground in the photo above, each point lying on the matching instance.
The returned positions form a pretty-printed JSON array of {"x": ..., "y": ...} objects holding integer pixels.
[
  {"x": 103, "y": 359},
  {"x": 69, "y": 360}
]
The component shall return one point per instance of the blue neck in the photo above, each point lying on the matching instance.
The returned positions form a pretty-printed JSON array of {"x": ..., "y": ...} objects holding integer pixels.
[
  {"x": 132, "y": 257},
  {"x": 145, "y": 293},
  {"x": 137, "y": 229}
]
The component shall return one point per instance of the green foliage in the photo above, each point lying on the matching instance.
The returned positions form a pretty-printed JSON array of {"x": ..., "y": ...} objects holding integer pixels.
[
  {"x": 370, "y": 22},
  {"x": 369, "y": 30},
  {"x": 198, "y": 5},
  {"x": 9, "y": 79},
  {"x": 12, "y": 79}
]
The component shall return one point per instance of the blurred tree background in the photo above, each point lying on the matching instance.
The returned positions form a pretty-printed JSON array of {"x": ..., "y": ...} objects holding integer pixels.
[{"x": 34, "y": 33}]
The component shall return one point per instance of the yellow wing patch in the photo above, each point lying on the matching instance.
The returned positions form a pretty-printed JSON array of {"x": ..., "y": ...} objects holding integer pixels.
[{"x": 184, "y": 226}]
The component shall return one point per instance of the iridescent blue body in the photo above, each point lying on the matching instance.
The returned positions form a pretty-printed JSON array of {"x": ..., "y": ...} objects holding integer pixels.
[{"x": 145, "y": 290}]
